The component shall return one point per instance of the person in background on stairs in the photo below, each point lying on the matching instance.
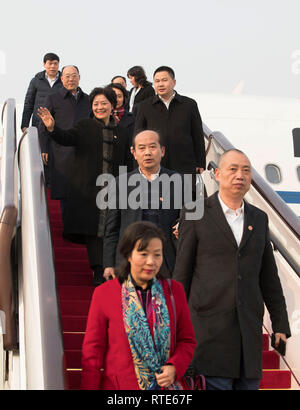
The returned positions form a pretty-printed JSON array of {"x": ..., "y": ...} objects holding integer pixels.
[
  {"x": 101, "y": 147},
  {"x": 132, "y": 339},
  {"x": 225, "y": 262},
  {"x": 141, "y": 87},
  {"x": 122, "y": 116},
  {"x": 119, "y": 79},
  {"x": 44, "y": 83}
]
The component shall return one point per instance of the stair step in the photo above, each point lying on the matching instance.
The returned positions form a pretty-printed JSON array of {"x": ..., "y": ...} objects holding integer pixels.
[
  {"x": 60, "y": 242},
  {"x": 73, "y": 341},
  {"x": 74, "y": 379},
  {"x": 75, "y": 279},
  {"x": 266, "y": 343},
  {"x": 71, "y": 307},
  {"x": 78, "y": 266},
  {"x": 72, "y": 323},
  {"x": 73, "y": 359},
  {"x": 70, "y": 253},
  {"x": 75, "y": 292},
  {"x": 270, "y": 360},
  {"x": 276, "y": 379}
]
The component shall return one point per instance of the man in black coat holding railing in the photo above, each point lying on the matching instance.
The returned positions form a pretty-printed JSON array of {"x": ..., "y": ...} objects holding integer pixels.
[{"x": 225, "y": 262}]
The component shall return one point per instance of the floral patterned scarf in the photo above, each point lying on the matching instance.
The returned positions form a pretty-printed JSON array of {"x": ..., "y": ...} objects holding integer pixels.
[{"x": 148, "y": 356}]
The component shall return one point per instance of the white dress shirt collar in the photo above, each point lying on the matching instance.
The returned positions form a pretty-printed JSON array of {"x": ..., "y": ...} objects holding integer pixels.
[
  {"x": 235, "y": 219},
  {"x": 51, "y": 81},
  {"x": 167, "y": 103},
  {"x": 153, "y": 176}
]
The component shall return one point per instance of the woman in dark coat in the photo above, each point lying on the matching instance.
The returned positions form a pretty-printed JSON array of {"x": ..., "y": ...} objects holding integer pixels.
[
  {"x": 123, "y": 117},
  {"x": 142, "y": 89},
  {"x": 100, "y": 148}
]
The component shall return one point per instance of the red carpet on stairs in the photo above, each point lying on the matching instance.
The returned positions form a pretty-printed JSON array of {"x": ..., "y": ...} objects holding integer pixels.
[{"x": 74, "y": 278}]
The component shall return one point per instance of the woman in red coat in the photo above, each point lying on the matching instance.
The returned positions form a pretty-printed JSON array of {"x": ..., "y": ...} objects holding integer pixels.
[{"x": 130, "y": 341}]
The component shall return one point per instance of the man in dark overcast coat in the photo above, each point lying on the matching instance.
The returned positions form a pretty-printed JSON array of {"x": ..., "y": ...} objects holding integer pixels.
[
  {"x": 226, "y": 264},
  {"x": 178, "y": 120},
  {"x": 69, "y": 105}
]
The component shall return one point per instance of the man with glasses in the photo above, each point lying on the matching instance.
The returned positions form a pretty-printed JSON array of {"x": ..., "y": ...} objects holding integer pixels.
[{"x": 67, "y": 107}]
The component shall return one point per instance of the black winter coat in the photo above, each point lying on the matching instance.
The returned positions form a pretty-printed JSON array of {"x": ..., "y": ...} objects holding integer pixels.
[
  {"x": 181, "y": 129},
  {"x": 67, "y": 111},
  {"x": 82, "y": 217},
  {"x": 143, "y": 94},
  {"x": 227, "y": 286},
  {"x": 39, "y": 88},
  {"x": 127, "y": 121}
]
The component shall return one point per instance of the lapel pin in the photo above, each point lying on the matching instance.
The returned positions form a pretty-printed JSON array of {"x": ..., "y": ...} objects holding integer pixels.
[{"x": 250, "y": 228}]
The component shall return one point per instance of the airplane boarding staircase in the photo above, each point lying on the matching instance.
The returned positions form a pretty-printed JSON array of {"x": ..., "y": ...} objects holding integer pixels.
[{"x": 45, "y": 282}]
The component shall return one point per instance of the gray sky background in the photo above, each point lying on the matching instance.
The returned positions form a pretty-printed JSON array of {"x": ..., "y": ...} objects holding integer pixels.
[{"x": 211, "y": 44}]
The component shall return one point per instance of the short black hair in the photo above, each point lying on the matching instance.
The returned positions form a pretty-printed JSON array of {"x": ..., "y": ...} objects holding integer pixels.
[
  {"x": 119, "y": 76},
  {"x": 70, "y": 65},
  {"x": 142, "y": 231},
  {"x": 50, "y": 57},
  {"x": 165, "y": 68},
  {"x": 139, "y": 75},
  {"x": 121, "y": 88},
  {"x": 107, "y": 91}
]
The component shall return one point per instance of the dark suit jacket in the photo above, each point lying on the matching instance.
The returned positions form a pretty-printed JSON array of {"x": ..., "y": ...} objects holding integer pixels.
[
  {"x": 67, "y": 111},
  {"x": 227, "y": 286},
  {"x": 118, "y": 219},
  {"x": 181, "y": 129}
]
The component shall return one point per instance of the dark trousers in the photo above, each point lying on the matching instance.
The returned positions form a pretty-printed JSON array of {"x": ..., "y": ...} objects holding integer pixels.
[
  {"x": 94, "y": 246},
  {"x": 227, "y": 383}
]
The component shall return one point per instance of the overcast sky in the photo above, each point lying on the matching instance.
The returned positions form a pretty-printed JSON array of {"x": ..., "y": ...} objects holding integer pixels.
[{"x": 213, "y": 45}]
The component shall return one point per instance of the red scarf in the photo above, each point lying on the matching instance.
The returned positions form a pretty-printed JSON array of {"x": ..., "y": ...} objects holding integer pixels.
[{"x": 118, "y": 114}]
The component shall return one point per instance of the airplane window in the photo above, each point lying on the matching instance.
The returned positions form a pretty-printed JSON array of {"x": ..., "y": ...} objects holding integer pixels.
[
  {"x": 296, "y": 138},
  {"x": 298, "y": 172},
  {"x": 273, "y": 174}
]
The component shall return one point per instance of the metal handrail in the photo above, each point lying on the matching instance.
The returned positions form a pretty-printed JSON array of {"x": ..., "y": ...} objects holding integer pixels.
[
  {"x": 44, "y": 348},
  {"x": 8, "y": 154},
  {"x": 7, "y": 227},
  {"x": 8, "y": 212}
]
